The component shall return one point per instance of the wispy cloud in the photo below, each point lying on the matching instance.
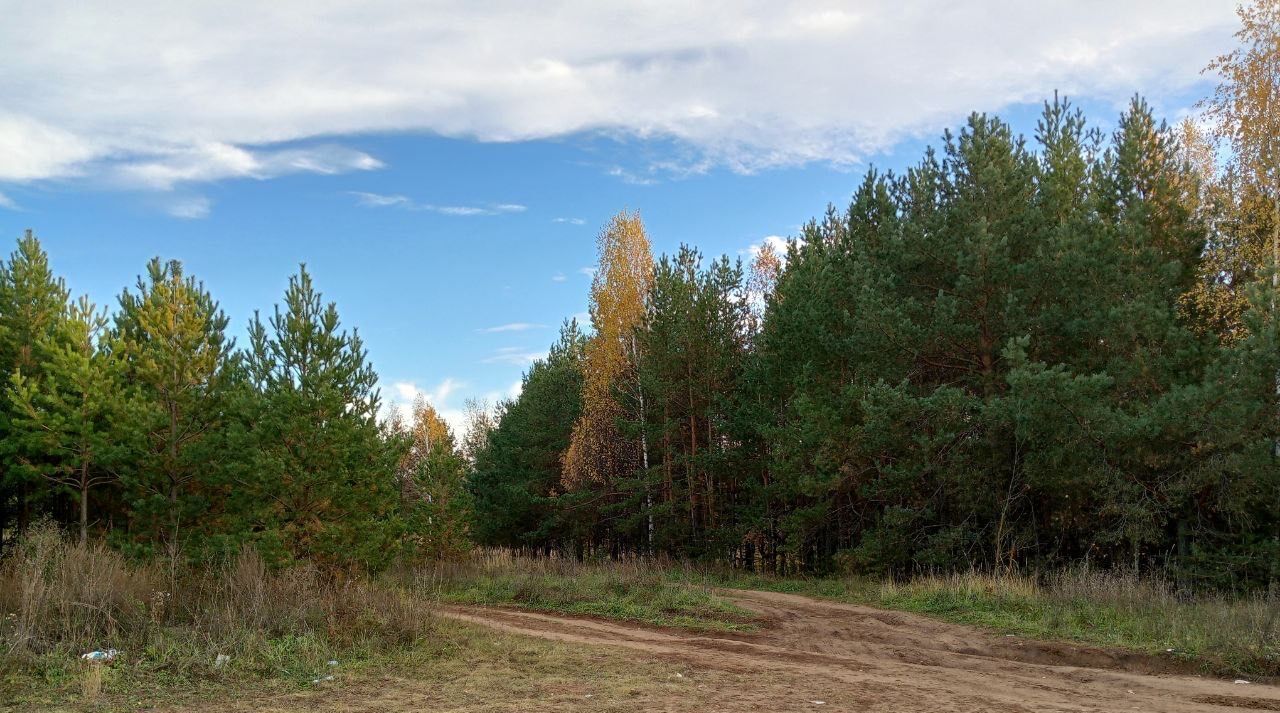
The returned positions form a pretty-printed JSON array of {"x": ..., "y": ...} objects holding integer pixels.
[
  {"x": 7, "y": 202},
  {"x": 378, "y": 200},
  {"x": 589, "y": 271},
  {"x": 213, "y": 161},
  {"x": 512, "y": 327},
  {"x": 193, "y": 208},
  {"x": 441, "y": 397},
  {"x": 570, "y": 221},
  {"x": 517, "y": 356},
  {"x": 630, "y": 177},
  {"x": 395, "y": 200},
  {"x": 558, "y": 277}
]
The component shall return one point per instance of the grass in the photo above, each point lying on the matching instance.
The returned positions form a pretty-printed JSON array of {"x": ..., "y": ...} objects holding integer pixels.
[
  {"x": 1219, "y": 635},
  {"x": 170, "y": 622},
  {"x": 281, "y": 629},
  {"x": 1216, "y": 634},
  {"x": 633, "y": 590}
]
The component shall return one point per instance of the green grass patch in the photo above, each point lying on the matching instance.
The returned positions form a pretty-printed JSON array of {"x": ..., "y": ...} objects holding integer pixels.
[
  {"x": 628, "y": 591},
  {"x": 1220, "y": 635}
]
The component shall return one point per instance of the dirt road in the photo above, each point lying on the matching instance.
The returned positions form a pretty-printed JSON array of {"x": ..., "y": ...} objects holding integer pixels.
[{"x": 823, "y": 656}]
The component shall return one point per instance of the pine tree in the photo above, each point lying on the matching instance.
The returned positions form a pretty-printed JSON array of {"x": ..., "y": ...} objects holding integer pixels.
[
  {"x": 694, "y": 343},
  {"x": 517, "y": 479},
  {"x": 171, "y": 336},
  {"x": 78, "y": 415},
  {"x": 33, "y": 312},
  {"x": 322, "y": 483}
]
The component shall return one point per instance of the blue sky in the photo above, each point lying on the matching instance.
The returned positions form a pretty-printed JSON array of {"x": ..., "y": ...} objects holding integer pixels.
[{"x": 444, "y": 178}]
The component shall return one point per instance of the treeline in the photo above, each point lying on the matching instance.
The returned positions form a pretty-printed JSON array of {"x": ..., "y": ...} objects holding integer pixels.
[
  {"x": 1015, "y": 353},
  {"x": 151, "y": 427}
]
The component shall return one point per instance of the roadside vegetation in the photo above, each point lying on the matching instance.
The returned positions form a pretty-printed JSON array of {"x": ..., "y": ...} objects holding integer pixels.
[
  {"x": 1216, "y": 634},
  {"x": 170, "y": 623},
  {"x": 634, "y": 590},
  {"x": 278, "y": 630}
]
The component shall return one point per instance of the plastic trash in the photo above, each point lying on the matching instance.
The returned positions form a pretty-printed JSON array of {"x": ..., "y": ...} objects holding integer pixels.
[
  {"x": 107, "y": 655},
  {"x": 1241, "y": 680},
  {"x": 333, "y": 662},
  {"x": 221, "y": 661},
  {"x": 324, "y": 678},
  {"x": 818, "y": 703}
]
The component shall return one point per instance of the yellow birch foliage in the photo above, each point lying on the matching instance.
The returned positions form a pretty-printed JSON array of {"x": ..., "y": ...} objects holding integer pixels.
[
  {"x": 427, "y": 431},
  {"x": 1245, "y": 108},
  {"x": 618, "y": 291},
  {"x": 1244, "y": 113}
]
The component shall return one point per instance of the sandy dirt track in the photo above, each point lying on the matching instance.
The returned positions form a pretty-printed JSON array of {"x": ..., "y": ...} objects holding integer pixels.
[{"x": 862, "y": 659}]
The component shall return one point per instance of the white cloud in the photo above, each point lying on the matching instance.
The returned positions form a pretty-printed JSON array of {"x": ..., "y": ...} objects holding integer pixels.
[
  {"x": 492, "y": 398},
  {"x": 469, "y": 210},
  {"x": 777, "y": 242},
  {"x": 558, "y": 277},
  {"x": 589, "y": 271},
  {"x": 378, "y": 200},
  {"x": 517, "y": 356},
  {"x": 405, "y": 393},
  {"x": 633, "y": 178},
  {"x": 215, "y": 161},
  {"x": 31, "y": 149},
  {"x": 512, "y": 327},
  {"x": 190, "y": 208},
  {"x": 570, "y": 221},
  {"x": 205, "y": 91},
  {"x": 7, "y": 202}
]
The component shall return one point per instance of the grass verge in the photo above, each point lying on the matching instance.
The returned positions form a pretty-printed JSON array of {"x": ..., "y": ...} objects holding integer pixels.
[
  {"x": 1219, "y": 635},
  {"x": 171, "y": 623},
  {"x": 636, "y": 590},
  {"x": 1216, "y": 634}
]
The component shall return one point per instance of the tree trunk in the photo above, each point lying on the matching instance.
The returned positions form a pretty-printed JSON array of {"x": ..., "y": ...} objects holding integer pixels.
[
  {"x": 644, "y": 444},
  {"x": 84, "y": 505},
  {"x": 1275, "y": 291}
]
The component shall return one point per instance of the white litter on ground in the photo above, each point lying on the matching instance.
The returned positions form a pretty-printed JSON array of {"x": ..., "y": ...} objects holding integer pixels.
[{"x": 107, "y": 655}]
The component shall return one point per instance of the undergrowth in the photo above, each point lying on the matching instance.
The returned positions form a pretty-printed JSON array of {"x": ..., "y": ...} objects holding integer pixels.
[
  {"x": 170, "y": 622},
  {"x": 632, "y": 590},
  {"x": 1218, "y": 634}
]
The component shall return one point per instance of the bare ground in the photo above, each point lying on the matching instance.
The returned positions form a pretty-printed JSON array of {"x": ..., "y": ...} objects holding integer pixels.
[{"x": 810, "y": 656}]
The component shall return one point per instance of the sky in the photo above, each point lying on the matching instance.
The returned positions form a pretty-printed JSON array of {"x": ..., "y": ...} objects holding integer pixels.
[{"x": 443, "y": 168}]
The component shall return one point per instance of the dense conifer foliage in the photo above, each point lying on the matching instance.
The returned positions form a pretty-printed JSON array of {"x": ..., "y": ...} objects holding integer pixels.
[
  {"x": 997, "y": 358},
  {"x": 152, "y": 428},
  {"x": 1019, "y": 352}
]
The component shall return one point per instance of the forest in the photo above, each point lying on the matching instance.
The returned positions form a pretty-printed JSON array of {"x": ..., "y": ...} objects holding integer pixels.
[
  {"x": 1020, "y": 353},
  {"x": 1015, "y": 354}
]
